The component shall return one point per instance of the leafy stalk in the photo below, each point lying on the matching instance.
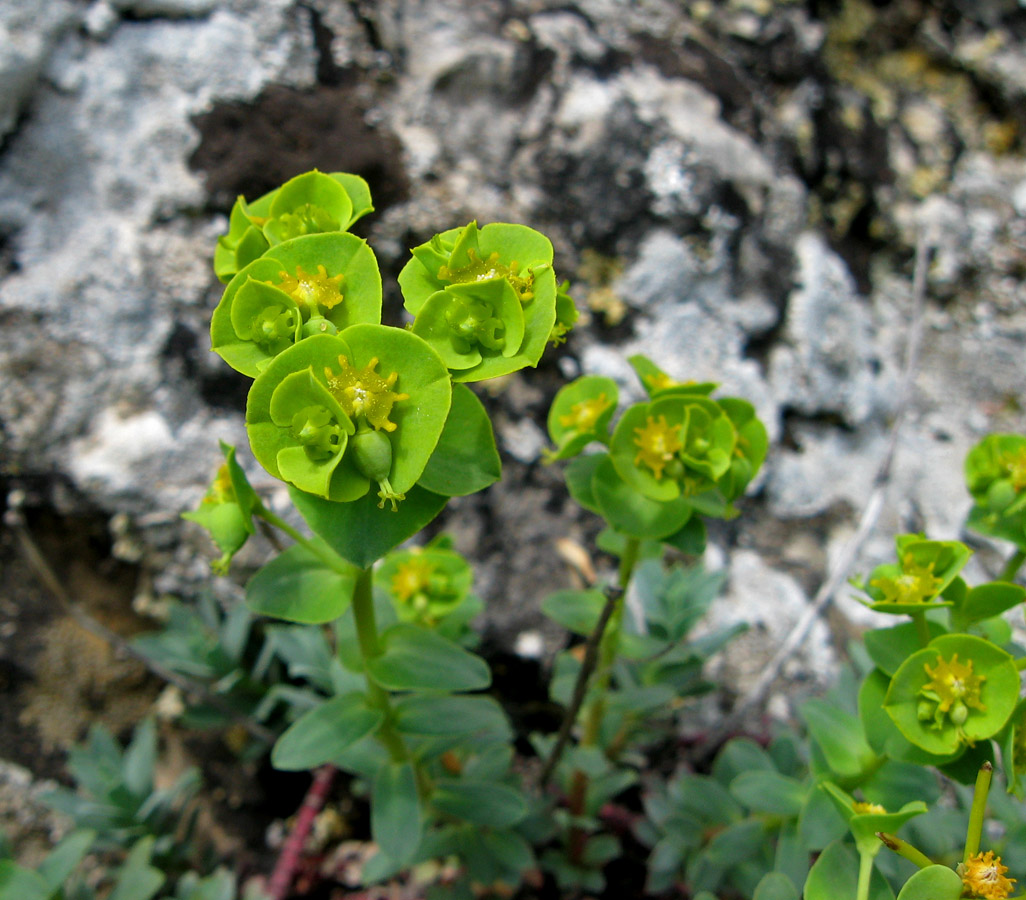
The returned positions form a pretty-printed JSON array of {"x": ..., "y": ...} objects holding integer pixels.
[{"x": 977, "y": 811}]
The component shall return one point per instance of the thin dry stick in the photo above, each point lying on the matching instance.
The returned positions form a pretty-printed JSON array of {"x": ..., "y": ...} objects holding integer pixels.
[
  {"x": 591, "y": 651},
  {"x": 870, "y": 513},
  {"x": 292, "y": 850},
  {"x": 14, "y": 519}
]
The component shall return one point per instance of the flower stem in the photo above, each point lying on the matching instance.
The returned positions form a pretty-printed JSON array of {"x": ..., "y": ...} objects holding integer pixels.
[
  {"x": 977, "y": 811},
  {"x": 1013, "y": 565},
  {"x": 324, "y": 553},
  {"x": 922, "y": 628},
  {"x": 865, "y": 876}
]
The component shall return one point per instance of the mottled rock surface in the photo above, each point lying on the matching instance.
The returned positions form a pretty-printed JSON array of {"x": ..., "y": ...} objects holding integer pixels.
[{"x": 736, "y": 189}]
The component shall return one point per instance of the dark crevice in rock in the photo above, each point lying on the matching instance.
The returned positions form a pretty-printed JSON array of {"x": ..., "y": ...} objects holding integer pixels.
[
  {"x": 328, "y": 72},
  {"x": 251, "y": 148},
  {"x": 368, "y": 23},
  {"x": 792, "y": 419}
]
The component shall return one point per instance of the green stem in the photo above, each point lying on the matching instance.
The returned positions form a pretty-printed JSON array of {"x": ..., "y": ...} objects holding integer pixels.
[
  {"x": 328, "y": 556},
  {"x": 865, "y": 875},
  {"x": 922, "y": 629},
  {"x": 370, "y": 647},
  {"x": 977, "y": 811},
  {"x": 1013, "y": 565},
  {"x": 609, "y": 648}
]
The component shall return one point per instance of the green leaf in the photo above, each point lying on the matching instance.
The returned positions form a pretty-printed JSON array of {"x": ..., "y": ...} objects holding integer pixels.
[
  {"x": 19, "y": 883},
  {"x": 414, "y": 659},
  {"x": 576, "y": 611},
  {"x": 769, "y": 792},
  {"x": 137, "y": 879},
  {"x": 932, "y": 883},
  {"x": 397, "y": 819},
  {"x": 631, "y": 513},
  {"x": 140, "y": 759},
  {"x": 483, "y": 803},
  {"x": 61, "y": 862},
  {"x": 775, "y": 886},
  {"x": 835, "y": 875},
  {"x": 361, "y": 531},
  {"x": 298, "y": 586},
  {"x": 455, "y": 715},
  {"x": 841, "y": 738},
  {"x": 465, "y": 459},
  {"x": 323, "y": 733},
  {"x": 737, "y": 756},
  {"x": 890, "y": 647},
  {"x": 987, "y": 600},
  {"x": 819, "y": 822}
]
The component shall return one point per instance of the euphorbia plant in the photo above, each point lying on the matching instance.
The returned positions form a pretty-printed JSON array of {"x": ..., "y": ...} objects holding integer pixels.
[{"x": 365, "y": 425}]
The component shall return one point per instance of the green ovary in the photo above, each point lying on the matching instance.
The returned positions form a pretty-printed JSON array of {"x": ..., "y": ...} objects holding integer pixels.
[
  {"x": 474, "y": 323},
  {"x": 318, "y": 431}
]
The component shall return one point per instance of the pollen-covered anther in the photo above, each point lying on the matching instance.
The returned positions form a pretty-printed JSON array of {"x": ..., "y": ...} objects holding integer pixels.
[
  {"x": 314, "y": 291},
  {"x": 984, "y": 875},
  {"x": 657, "y": 444},
  {"x": 364, "y": 393}
]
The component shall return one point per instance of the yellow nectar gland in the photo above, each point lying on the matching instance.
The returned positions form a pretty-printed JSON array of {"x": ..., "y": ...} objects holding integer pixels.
[
  {"x": 411, "y": 579},
  {"x": 915, "y": 584},
  {"x": 363, "y": 392},
  {"x": 657, "y": 444},
  {"x": 1014, "y": 466},
  {"x": 584, "y": 415},
  {"x": 221, "y": 489},
  {"x": 953, "y": 683},
  {"x": 984, "y": 875},
  {"x": 863, "y": 808},
  {"x": 485, "y": 269},
  {"x": 313, "y": 291}
]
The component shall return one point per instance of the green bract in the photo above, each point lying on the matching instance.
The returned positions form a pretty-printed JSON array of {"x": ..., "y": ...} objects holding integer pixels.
[
  {"x": 995, "y": 472},
  {"x": 226, "y": 510},
  {"x": 656, "y": 382},
  {"x": 425, "y": 584},
  {"x": 319, "y": 284},
  {"x": 310, "y": 203},
  {"x": 958, "y": 690},
  {"x": 310, "y": 412},
  {"x": 674, "y": 446},
  {"x": 580, "y": 414},
  {"x": 925, "y": 569},
  {"x": 484, "y": 299}
]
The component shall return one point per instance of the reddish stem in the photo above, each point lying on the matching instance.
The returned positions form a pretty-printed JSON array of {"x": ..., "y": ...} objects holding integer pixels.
[{"x": 292, "y": 850}]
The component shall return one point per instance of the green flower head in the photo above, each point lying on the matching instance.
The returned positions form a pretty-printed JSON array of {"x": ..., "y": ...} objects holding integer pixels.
[
  {"x": 425, "y": 584},
  {"x": 924, "y": 569},
  {"x": 319, "y": 284},
  {"x": 486, "y": 299},
  {"x": 335, "y": 413},
  {"x": 996, "y": 477},
  {"x": 312, "y": 203}
]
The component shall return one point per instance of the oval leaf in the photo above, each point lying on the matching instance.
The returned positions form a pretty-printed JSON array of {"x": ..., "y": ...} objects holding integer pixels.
[
  {"x": 397, "y": 819},
  {"x": 323, "y": 733},
  {"x": 299, "y": 586},
  {"x": 415, "y": 659}
]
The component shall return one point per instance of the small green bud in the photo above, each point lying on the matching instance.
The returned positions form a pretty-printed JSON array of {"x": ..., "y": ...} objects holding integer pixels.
[
  {"x": 372, "y": 456},
  {"x": 959, "y": 713},
  {"x": 925, "y": 710}
]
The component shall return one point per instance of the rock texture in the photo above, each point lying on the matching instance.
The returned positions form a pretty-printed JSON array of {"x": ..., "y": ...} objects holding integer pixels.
[{"x": 736, "y": 188}]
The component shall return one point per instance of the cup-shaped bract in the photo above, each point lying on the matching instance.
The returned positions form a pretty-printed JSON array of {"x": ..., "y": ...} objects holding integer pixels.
[
  {"x": 656, "y": 382},
  {"x": 923, "y": 571},
  {"x": 334, "y": 413},
  {"x": 995, "y": 472},
  {"x": 580, "y": 414},
  {"x": 317, "y": 284},
  {"x": 425, "y": 584},
  {"x": 673, "y": 446},
  {"x": 226, "y": 510},
  {"x": 958, "y": 690},
  {"x": 311, "y": 203},
  {"x": 484, "y": 298},
  {"x": 749, "y": 451}
]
